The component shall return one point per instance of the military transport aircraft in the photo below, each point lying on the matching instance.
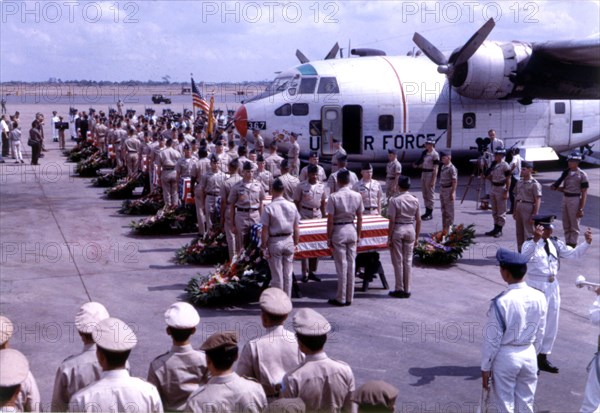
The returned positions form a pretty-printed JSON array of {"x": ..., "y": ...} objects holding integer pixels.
[{"x": 540, "y": 97}]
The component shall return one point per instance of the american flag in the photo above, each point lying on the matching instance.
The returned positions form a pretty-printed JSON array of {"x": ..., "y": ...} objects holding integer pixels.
[{"x": 197, "y": 99}]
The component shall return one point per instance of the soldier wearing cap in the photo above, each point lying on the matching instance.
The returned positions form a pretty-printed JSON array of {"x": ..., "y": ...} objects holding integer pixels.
[
  {"x": 262, "y": 175},
  {"x": 428, "y": 163},
  {"x": 515, "y": 168},
  {"x": 154, "y": 162},
  {"x": 247, "y": 199},
  {"x": 392, "y": 171},
  {"x": 574, "y": 187},
  {"x": 310, "y": 199},
  {"x": 280, "y": 234},
  {"x": 528, "y": 198},
  {"x": 375, "y": 395},
  {"x": 225, "y": 391},
  {"x": 210, "y": 189},
  {"x": 343, "y": 237},
  {"x": 242, "y": 159},
  {"x": 13, "y": 374},
  {"x": 339, "y": 153},
  {"x": 179, "y": 372},
  {"x": 515, "y": 327},
  {"x": 221, "y": 156},
  {"x": 28, "y": 396},
  {"x": 591, "y": 396},
  {"x": 544, "y": 253},
  {"x": 167, "y": 159},
  {"x": 499, "y": 175},
  {"x": 332, "y": 182},
  {"x": 448, "y": 183},
  {"x": 130, "y": 148},
  {"x": 233, "y": 244},
  {"x": 184, "y": 164},
  {"x": 306, "y": 381},
  {"x": 370, "y": 191},
  {"x": 115, "y": 340},
  {"x": 289, "y": 181},
  {"x": 273, "y": 160},
  {"x": 313, "y": 159},
  {"x": 404, "y": 225},
  {"x": 101, "y": 131},
  {"x": 268, "y": 357},
  {"x": 80, "y": 370},
  {"x": 293, "y": 154},
  {"x": 259, "y": 142},
  {"x": 199, "y": 169}
]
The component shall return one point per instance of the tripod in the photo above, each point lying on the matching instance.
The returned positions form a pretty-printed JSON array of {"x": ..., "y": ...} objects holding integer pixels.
[{"x": 478, "y": 168}]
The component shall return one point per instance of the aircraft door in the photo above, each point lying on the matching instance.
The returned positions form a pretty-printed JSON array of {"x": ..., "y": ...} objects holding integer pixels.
[
  {"x": 331, "y": 123},
  {"x": 559, "y": 131}
]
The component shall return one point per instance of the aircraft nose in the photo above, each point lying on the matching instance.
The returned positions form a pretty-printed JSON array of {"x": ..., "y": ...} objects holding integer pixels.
[{"x": 241, "y": 120}]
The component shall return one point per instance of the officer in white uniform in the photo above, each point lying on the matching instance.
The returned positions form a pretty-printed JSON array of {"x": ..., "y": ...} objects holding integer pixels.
[
  {"x": 513, "y": 332},
  {"x": 591, "y": 397},
  {"x": 544, "y": 253},
  {"x": 13, "y": 374}
]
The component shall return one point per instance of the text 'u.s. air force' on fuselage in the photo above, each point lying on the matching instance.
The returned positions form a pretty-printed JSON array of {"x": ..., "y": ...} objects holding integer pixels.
[{"x": 540, "y": 97}]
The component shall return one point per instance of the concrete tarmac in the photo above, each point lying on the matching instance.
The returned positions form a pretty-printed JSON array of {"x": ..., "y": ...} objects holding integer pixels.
[{"x": 62, "y": 244}]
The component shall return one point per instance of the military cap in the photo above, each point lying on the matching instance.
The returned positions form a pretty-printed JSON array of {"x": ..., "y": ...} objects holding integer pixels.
[
  {"x": 508, "y": 257},
  {"x": 214, "y": 158},
  {"x": 444, "y": 153},
  {"x": 295, "y": 405},
  {"x": 273, "y": 145},
  {"x": 114, "y": 335},
  {"x": 260, "y": 158},
  {"x": 376, "y": 393},
  {"x": 277, "y": 185},
  {"x": 6, "y": 329},
  {"x": 312, "y": 169},
  {"x": 500, "y": 151},
  {"x": 252, "y": 151},
  {"x": 181, "y": 315},
  {"x": 161, "y": 138},
  {"x": 15, "y": 367},
  {"x": 527, "y": 164},
  {"x": 343, "y": 174},
  {"x": 366, "y": 166},
  {"x": 274, "y": 300},
  {"x": 294, "y": 135},
  {"x": 247, "y": 166},
  {"x": 228, "y": 339},
  {"x": 314, "y": 155},
  {"x": 404, "y": 182},
  {"x": 186, "y": 147},
  {"x": 430, "y": 141},
  {"x": 285, "y": 164},
  {"x": 574, "y": 156},
  {"x": 391, "y": 152},
  {"x": 89, "y": 316},
  {"x": 242, "y": 150},
  {"x": 234, "y": 163},
  {"x": 544, "y": 220},
  {"x": 342, "y": 158},
  {"x": 308, "y": 322},
  {"x": 219, "y": 142}
]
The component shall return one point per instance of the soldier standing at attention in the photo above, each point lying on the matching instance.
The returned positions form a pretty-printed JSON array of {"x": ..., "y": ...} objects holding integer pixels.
[
  {"x": 289, "y": 181},
  {"x": 332, "y": 182},
  {"x": 428, "y": 163},
  {"x": 310, "y": 198},
  {"x": 131, "y": 147},
  {"x": 199, "y": 169},
  {"x": 313, "y": 159},
  {"x": 499, "y": 175},
  {"x": 279, "y": 238},
  {"x": 273, "y": 160},
  {"x": 167, "y": 159},
  {"x": 343, "y": 237},
  {"x": 404, "y": 226},
  {"x": 262, "y": 175},
  {"x": 448, "y": 183},
  {"x": 210, "y": 189},
  {"x": 246, "y": 197},
  {"x": 392, "y": 172},
  {"x": 574, "y": 188},
  {"x": 515, "y": 168},
  {"x": 528, "y": 198},
  {"x": 339, "y": 152},
  {"x": 259, "y": 142},
  {"x": 370, "y": 191},
  {"x": 233, "y": 244},
  {"x": 293, "y": 155},
  {"x": 184, "y": 165}
]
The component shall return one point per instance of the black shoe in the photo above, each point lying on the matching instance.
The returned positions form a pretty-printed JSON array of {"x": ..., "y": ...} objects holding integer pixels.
[
  {"x": 41, "y": 155},
  {"x": 498, "y": 234},
  {"x": 545, "y": 365},
  {"x": 397, "y": 294},
  {"x": 491, "y": 233},
  {"x": 426, "y": 217},
  {"x": 348, "y": 304},
  {"x": 313, "y": 277},
  {"x": 305, "y": 278},
  {"x": 335, "y": 302}
]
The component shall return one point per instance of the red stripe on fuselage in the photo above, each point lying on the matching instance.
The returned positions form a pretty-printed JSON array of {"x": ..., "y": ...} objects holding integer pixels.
[{"x": 401, "y": 91}]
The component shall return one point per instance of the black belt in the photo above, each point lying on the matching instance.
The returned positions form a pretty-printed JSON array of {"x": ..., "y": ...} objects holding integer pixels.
[
  {"x": 246, "y": 209},
  {"x": 168, "y": 168},
  {"x": 499, "y": 184},
  {"x": 343, "y": 223},
  {"x": 132, "y": 151},
  {"x": 389, "y": 179},
  {"x": 310, "y": 209},
  {"x": 404, "y": 223},
  {"x": 426, "y": 170},
  {"x": 524, "y": 202},
  {"x": 212, "y": 193},
  {"x": 370, "y": 208},
  {"x": 281, "y": 234},
  {"x": 569, "y": 195},
  {"x": 447, "y": 186}
]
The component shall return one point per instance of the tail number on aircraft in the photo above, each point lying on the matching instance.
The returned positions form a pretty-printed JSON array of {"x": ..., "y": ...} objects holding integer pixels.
[
  {"x": 257, "y": 124},
  {"x": 407, "y": 141}
]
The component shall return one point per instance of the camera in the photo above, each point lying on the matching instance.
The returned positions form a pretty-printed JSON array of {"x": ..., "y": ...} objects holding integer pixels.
[{"x": 61, "y": 125}]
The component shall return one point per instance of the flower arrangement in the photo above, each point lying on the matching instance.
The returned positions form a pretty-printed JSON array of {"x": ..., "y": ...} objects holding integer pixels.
[
  {"x": 169, "y": 220},
  {"x": 124, "y": 189},
  {"x": 211, "y": 249},
  {"x": 443, "y": 249},
  {"x": 89, "y": 167},
  {"x": 110, "y": 179},
  {"x": 79, "y": 153},
  {"x": 240, "y": 280},
  {"x": 147, "y": 205}
]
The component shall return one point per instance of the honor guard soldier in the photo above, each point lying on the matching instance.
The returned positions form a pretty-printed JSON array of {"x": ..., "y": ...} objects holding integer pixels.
[
  {"x": 226, "y": 391},
  {"x": 227, "y": 224},
  {"x": 515, "y": 327},
  {"x": 199, "y": 169},
  {"x": 528, "y": 197},
  {"x": 242, "y": 158},
  {"x": 179, "y": 372},
  {"x": 499, "y": 175},
  {"x": 259, "y": 142},
  {"x": 262, "y": 175},
  {"x": 310, "y": 199},
  {"x": 101, "y": 131},
  {"x": 13, "y": 375},
  {"x": 428, "y": 163},
  {"x": 574, "y": 188},
  {"x": 375, "y": 395},
  {"x": 115, "y": 340},
  {"x": 343, "y": 236},
  {"x": 183, "y": 168},
  {"x": 210, "y": 189},
  {"x": 221, "y": 156},
  {"x": 81, "y": 370},
  {"x": 167, "y": 159},
  {"x": 293, "y": 155},
  {"x": 131, "y": 147},
  {"x": 313, "y": 159},
  {"x": 289, "y": 181},
  {"x": 306, "y": 381},
  {"x": 448, "y": 183},
  {"x": 279, "y": 238},
  {"x": 246, "y": 197},
  {"x": 27, "y": 396},
  {"x": 273, "y": 160},
  {"x": 405, "y": 224},
  {"x": 339, "y": 153},
  {"x": 544, "y": 253},
  {"x": 591, "y": 397},
  {"x": 268, "y": 357},
  {"x": 370, "y": 191},
  {"x": 332, "y": 182},
  {"x": 392, "y": 171}
]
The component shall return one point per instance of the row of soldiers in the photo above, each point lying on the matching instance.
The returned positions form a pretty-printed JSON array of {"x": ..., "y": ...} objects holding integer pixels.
[{"x": 280, "y": 370}]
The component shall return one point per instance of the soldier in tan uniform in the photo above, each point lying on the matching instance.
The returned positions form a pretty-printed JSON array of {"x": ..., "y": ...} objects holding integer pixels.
[
  {"x": 289, "y": 181},
  {"x": 293, "y": 155},
  {"x": 233, "y": 244},
  {"x": 199, "y": 169},
  {"x": 184, "y": 165},
  {"x": 226, "y": 391},
  {"x": 167, "y": 159},
  {"x": 343, "y": 237},
  {"x": 101, "y": 131},
  {"x": 339, "y": 153},
  {"x": 392, "y": 172},
  {"x": 246, "y": 197},
  {"x": 221, "y": 156},
  {"x": 574, "y": 188},
  {"x": 332, "y": 183},
  {"x": 262, "y": 175},
  {"x": 306, "y": 381},
  {"x": 448, "y": 183},
  {"x": 131, "y": 147},
  {"x": 310, "y": 198},
  {"x": 80, "y": 370},
  {"x": 210, "y": 189},
  {"x": 428, "y": 163},
  {"x": 179, "y": 372},
  {"x": 313, "y": 159},
  {"x": 268, "y": 357},
  {"x": 404, "y": 226},
  {"x": 273, "y": 160},
  {"x": 259, "y": 142},
  {"x": 499, "y": 174},
  {"x": 370, "y": 191},
  {"x": 154, "y": 163},
  {"x": 528, "y": 198}
]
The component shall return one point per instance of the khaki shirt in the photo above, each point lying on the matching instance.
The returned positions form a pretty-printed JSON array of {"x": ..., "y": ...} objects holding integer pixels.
[
  {"x": 212, "y": 182},
  {"x": 225, "y": 191},
  {"x": 294, "y": 151},
  {"x": 393, "y": 169},
  {"x": 265, "y": 178},
  {"x": 228, "y": 393},
  {"x": 184, "y": 167},
  {"x": 242, "y": 160},
  {"x": 247, "y": 195},
  {"x": 332, "y": 181},
  {"x": 290, "y": 183},
  {"x": 448, "y": 174},
  {"x": 273, "y": 164},
  {"x": 528, "y": 190},
  {"x": 309, "y": 198},
  {"x": 430, "y": 159},
  {"x": 200, "y": 168},
  {"x": 101, "y": 130},
  {"x": 177, "y": 374},
  {"x": 224, "y": 162},
  {"x": 573, "y": 181},
  {"x": 499, "y": 172},
  {"x": 280, "y": 216},
  {"x": 344, "y": 205},
  {"x": 322, "y": 176},
  {"x": 403, "y": 209},
  {"x": 334, "y": 158},
  {"x": 168, "y": 158},
  {"x": 370, "y": 192}
]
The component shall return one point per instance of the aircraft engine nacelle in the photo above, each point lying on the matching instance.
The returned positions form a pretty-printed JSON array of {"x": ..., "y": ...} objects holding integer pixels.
[{"x": 488, "y": 73}]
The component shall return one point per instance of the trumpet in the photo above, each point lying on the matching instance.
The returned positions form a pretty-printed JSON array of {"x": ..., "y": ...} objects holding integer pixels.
[{"x": 580, "y": 282}]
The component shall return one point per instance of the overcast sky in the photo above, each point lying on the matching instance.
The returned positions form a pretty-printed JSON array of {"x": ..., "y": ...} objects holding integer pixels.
[{"x": 236, "y": 41}]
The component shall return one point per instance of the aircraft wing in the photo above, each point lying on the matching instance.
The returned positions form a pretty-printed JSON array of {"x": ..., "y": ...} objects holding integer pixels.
[{"x": 575, "y": 52}]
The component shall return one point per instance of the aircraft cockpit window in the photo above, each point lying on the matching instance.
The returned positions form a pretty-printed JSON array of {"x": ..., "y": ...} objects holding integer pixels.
[
  {"x": 284, "y": 110},
  {"x": 386, "y": 122},
  {"x": 300, "y": 109},
  {"x": 560, "y": 108},
  {"x": 308, "y": 85},
  {"x": 328, "y": 85}
]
